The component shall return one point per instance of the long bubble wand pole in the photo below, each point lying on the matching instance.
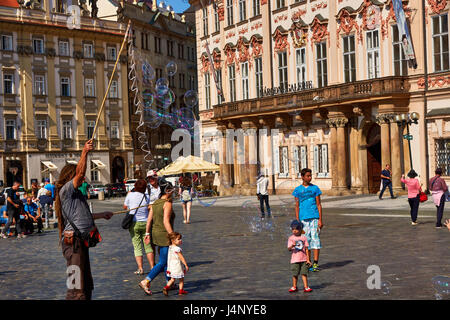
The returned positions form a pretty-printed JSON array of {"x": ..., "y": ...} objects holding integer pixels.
[{"x": 111, "y": 78}]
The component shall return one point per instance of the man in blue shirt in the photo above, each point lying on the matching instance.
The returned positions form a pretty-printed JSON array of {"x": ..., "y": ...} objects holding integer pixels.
[
  {"x": 33, "y": 214},
  {"x": 50, "y": 187},
  {"x": 308, "y": 210},
  {"x": 387, "y": 181}
]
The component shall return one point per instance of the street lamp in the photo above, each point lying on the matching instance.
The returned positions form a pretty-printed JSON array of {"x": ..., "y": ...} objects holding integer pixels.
[{"x": 407, "y": 119}]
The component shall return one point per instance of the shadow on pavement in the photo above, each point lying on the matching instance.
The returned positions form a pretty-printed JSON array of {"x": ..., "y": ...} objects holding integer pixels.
[
  {"x": 320, "y": 286},
  {"x": 201, "y": 221},
  {"x": 6, "y": 272},
  {"x": 338, "y": 264},
  {"x": 202, "y": 285},
  {"x": 199, "y": 263}
]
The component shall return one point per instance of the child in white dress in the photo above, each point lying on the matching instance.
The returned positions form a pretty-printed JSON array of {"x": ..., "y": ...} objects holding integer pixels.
[{"x": 174, "y": 260}]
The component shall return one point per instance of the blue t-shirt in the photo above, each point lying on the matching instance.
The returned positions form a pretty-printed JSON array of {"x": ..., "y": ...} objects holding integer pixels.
[
  {"x": 31, "y": 208},
  {"x": 307, "y": 201},
  {"x": 386, "y": 173},
  {"x": 51, "y": 188}
]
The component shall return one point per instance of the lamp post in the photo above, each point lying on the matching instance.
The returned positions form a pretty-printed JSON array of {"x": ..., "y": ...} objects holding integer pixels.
[{"x": 407, "y": 118}]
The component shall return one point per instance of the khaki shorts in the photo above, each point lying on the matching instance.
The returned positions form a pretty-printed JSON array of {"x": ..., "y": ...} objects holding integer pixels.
[{"x": 299, "y": 268}]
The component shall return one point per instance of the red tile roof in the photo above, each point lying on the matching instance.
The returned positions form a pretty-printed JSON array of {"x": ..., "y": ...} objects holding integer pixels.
[{"x": 9, "y": 3}]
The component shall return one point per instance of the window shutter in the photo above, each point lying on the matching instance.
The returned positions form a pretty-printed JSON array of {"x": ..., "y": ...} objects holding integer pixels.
[
  {"x": 285, "y": 162},
  {"x": 304, "y": 159},
  {"x": 276, "y": 155},
  {"x": 296, "y": 160},
  {"x": 316, "y": 159},
  {"x": 325, "y": 158}
]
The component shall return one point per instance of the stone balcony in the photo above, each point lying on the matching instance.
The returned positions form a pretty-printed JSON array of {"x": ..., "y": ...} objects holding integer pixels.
[{"x": 310, "y": 99}]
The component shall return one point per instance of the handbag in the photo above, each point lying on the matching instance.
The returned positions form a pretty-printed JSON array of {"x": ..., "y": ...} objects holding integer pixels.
[
  {"x": 128, "y": 219},
  {"x": 423, "y": 196},
  {"x": 89, "y": 238}
]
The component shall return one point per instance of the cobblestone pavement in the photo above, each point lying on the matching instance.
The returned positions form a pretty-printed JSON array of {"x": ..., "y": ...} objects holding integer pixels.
[{"x": 229, "y": 261}]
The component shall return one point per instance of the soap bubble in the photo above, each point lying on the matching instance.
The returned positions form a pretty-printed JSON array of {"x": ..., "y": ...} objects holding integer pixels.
[
  {"x": 165, "y": 100},
  {"x": 190, "y": 98},
  {"x": 148, "y": 73},
  {"x": 386, "y": 287},
  {"x": 147, "y": 95},
  {"x": 287, "y": 187},
  {"x": 206, "y": 197},
  {"x": 171, "y": 68},
  {"x": 441, "y": 284},
  {"x": 152, "y": 119},
  {"x": 162, "y": 86}
]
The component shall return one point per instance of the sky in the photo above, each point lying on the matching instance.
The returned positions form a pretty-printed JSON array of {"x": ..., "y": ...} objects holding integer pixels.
[{"x": 178, "y": 5}]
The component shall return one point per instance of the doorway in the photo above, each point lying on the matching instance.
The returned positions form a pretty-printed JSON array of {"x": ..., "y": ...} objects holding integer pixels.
[
  {"x": 118, "y": 170},
  {"x": 374, "y": 158},
  {"x": 14, "y": 172}
]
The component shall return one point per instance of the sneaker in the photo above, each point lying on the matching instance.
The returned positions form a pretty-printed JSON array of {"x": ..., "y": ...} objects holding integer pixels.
[
  {"x": 293, "y": 289},
  {"x": 315, "y": 267},
  {"x": 393, "y": 197},
  {"x": 182, "y": 292},
  {"x": 414, "y": 223},
  {"x": 307, "y": 289},
  {"x": 4, "y": 236},
  {"x": 440, "y": 227},
  {"x": 380, "y": 198}
]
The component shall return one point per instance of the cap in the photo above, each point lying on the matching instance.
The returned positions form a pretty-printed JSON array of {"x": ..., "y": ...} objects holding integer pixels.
[
  {"x": 42, "y": 184},
  {"x": 152, "y": 173}
]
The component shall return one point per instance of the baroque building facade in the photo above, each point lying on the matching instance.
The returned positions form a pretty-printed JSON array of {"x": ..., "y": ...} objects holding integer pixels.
[
  {"x": 55, "y": 66},
  {"x": 332, "y": 78},
  {"x": 160, "y": 36}
]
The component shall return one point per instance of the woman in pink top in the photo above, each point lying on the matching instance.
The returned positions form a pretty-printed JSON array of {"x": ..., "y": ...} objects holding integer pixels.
[{"x": 414, "y": 190}]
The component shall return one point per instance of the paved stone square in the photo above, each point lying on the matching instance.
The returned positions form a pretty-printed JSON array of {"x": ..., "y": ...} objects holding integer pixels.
[{"x": 229, "y": 261}]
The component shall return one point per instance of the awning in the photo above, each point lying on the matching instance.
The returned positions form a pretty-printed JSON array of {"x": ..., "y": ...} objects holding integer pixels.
[
  {"x": 99, "y": 164},
  {"x": 72, "y": 162},
  {"x": 50, "y": 166}
]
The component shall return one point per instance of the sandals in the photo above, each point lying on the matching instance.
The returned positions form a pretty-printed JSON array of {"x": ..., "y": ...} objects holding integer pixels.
[
  {"x": 145, "y": 288},
  {"x": 139, "y": 271}
]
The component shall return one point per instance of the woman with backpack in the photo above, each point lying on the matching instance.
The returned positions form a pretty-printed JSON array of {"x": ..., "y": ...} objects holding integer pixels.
[{"x": 438, "y": 189}]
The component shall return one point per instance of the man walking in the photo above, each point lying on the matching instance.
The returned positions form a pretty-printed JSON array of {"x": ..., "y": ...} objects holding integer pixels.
[
  {"x": 387, "y": 182},
  {"x": 13, "y": 203},
  {"x": 263, "y": 195}
]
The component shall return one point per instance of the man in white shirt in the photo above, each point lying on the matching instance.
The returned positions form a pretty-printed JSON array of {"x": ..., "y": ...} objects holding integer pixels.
[
  {"x": 153, "y": 188},
  {"x": 263, "y": 195}
]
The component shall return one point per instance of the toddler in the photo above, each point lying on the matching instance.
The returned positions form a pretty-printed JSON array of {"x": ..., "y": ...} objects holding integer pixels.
[
  {"x": 174, "y": 260},
  {"x": 300, "y": 260}
]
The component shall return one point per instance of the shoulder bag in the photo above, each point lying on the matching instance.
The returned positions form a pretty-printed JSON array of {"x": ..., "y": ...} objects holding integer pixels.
[{"x": 128, "y": 219}]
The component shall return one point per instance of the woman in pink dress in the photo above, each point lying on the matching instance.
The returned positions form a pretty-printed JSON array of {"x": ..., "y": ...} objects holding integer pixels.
[{"x": 414, "y": 190}]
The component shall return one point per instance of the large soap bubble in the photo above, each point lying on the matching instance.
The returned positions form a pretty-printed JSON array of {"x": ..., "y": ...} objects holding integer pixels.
[
  {"x": 162, "y": 86},
  {"x": 190, "y": 98},
  {"x": 171, "y": 68}
]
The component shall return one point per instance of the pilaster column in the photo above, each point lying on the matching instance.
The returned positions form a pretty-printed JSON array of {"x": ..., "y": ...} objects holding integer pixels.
[
  {"x": 342, "y": 153},
  {"x": 53, "y": 138},
  {"x": 225, "y": 181},
  {"x": 395, "y": 157},
  {"x": 80, "y": 137},
  {"x": 101, "y": 87},
  {"x": 333, "y": 152},
  {"x": 383, "y": 120}
]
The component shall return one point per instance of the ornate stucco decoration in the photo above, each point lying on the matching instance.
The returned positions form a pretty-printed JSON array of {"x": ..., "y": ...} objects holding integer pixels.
[
  {"x": 437, "y": 5},
  {"x": 280, "y": 37},
  {"x": 347, "y": 23},
  {"x": 319, "y": 30},
  {"x": 299, "y": 33},
  {"x": 205, "y": 63}
]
